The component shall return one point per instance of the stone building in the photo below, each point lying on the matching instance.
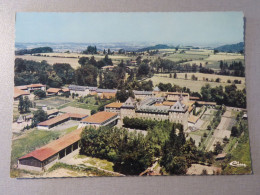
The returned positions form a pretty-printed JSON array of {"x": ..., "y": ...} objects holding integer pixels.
[{"x": 153, "y": 108}]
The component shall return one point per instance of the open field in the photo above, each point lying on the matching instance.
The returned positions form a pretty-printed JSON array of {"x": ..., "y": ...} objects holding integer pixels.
[
  {"x": 70, "y": 58},
  {"x": 52, "y": 60},
  {"x": 223, "y": 78},
  {"x": 52, "y": 102},
  {"x": 193, "y": 85},
  {"x": 225, "y": 56}
]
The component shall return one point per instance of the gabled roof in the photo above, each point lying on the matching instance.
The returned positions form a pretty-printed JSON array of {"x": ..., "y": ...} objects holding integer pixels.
[
  {"x": 65, "y": 89},
  {"x": 99, "y": 117},
  {"x": 114, "y": 105},
  {"x": 156, "y": 89},
  {"x": 19, "y": 92},
  {"x": 143, "y": 92},
  {"x": 106, "y": 90},
  {"x": 77, "y": 87},
  {"x": 54, "y": 147},
  {"x": 129, "y": 103},
  {"x": 62, "y": 117},
  {"x": 36, "y": 85},
  {"x": 178, "y": 107},
  {"x": 53, "y": 90}
]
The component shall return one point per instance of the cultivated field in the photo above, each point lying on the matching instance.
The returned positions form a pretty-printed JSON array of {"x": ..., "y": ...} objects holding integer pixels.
[
  {"x": 70, "y": 58},
  {"x": 223, "y": 78},
  {"x": 193, "y": 85},
  {"x": 52, "y": 60}
]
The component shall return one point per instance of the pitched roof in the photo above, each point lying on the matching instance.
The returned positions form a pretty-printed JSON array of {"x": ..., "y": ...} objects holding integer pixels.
[
  {"x": 99, "y": 117},
  {"x": 70, "y": 109},
  {"x": 168, "y": 103},
  {"x": 108, "y": 95},
  {"x": 178, "y": 107},
  {"x": 18, "y": 92},
  {"x": 156, "y": 89},
  {"x": 54, "y": 147},
  {"x": 206, "y": 103},
  {"x": 62, "y": 117},
  {"x": 53, "y": 90},
  {"x": 114, "y": 105},
  {"x": 78, "y": 88},
  {"x": 177, "y": 93},
  {"x": 143, "y": 92},
  {"x": 129, "y": 103},
  {"x": 36, "y": 85},
  {"x": 106, "y": 90},
  {"x": 193, "y": 119},
  {"x": 65, "y": 89}
]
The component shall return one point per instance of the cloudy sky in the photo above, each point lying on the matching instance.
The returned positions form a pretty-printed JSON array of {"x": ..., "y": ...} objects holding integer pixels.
[{"x": 202, "y": 28}]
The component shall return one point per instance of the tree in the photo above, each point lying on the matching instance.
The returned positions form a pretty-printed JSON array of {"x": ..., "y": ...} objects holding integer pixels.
[
  {"x": 40, "y": 93},
  {"x": 107, "y": 60},
  {"x": 234, "y": 131},
  {"x": 143, "y": 70},
  {"x": 65, "y": 72},
  {"x": 86, "y": 75},
  {"x": 175, "y": 75},
  {"x": 204, "y": 172},
  {"x": 185, "y": 75},
  {"x": 21, "y": 104},
  {"x": 39, "y": 116},
  {"x": 27, "y": 104},
  {"x": 218, "y": 148}
]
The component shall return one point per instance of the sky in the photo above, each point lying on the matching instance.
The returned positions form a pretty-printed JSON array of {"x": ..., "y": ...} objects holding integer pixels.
[{"x": 160, "y": 27}]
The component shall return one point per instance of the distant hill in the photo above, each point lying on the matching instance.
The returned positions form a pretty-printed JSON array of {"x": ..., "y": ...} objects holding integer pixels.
[
  {"x": 159, "y": 46},
  {"x": 34, "y": 50},
  {"x": 234, "y": 48}
]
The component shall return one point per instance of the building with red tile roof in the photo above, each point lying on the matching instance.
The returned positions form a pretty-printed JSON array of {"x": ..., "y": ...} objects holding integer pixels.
[
  {"x": 18, "y": 92},
  {"x": 60, "y": 119},
  {"x": 53, "y": 91},
  {"x": 100, "y": 119},
  {"x": 42, "y": 158}
]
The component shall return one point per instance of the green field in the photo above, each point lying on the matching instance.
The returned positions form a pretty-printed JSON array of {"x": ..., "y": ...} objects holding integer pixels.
[
  {"x": 193, "y": 85},
  {"x": 241, "y": 154}
]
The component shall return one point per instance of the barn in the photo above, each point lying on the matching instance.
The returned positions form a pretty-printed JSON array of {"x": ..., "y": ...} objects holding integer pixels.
[{"x": 43, "y": 158}]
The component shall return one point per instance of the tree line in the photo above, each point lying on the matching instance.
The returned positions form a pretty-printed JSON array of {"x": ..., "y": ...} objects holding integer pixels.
[
  {"x": 34, "y": 50},
  {"x": 229, "y": 96}
]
